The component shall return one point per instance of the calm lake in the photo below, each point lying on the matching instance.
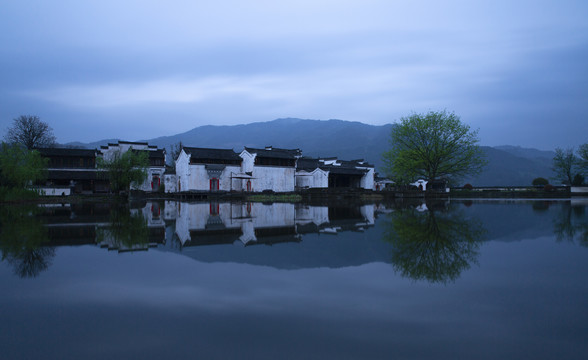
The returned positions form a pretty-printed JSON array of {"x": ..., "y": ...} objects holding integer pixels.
[{"x": 472, "y": 279}]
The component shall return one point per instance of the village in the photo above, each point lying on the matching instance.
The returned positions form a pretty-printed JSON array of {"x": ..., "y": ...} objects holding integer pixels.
[{"x": 206, "y": 170}]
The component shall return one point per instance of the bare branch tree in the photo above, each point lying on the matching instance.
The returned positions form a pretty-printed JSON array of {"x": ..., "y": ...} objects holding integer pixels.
[{"x": 31, "y": 132}]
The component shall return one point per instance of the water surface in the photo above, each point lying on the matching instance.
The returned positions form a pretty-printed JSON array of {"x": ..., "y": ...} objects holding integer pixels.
[{"x": 451, "y": 280}]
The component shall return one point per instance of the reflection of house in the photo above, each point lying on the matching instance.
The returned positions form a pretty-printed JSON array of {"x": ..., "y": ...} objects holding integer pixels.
[
  {"x": 257, "y": 223},
  {"x": 156, "y": 161},
  {"x": 203, "y": 169},
  {"x": 226, "y": 223},
  {"x": 334, "y": 173},
  {"x": 72, "y": 171},
  {"x": 271, "y": 168},
  {"x": 92, "y": 223}
]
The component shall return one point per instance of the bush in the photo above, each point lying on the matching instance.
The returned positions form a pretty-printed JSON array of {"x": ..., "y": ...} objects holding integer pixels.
[
  {"x": 578, "y": 180},
  {"x": 468, "y": 187},
  {"x": 540, "y": 181},
  {"x": 548, "y": 187}
]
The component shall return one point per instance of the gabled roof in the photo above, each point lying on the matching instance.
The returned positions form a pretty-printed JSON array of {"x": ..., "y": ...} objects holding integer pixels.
[
  {"x": 307, "y": 164},
  {"x": 153, "y": 154},
  {"x": 277, "y": 153},
  {"x": 211, "y": 154},
  {"x": 66, "y": 152},
  {"x": 350, "y": 167}
]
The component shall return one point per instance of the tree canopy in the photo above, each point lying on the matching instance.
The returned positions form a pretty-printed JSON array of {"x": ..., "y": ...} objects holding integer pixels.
[
  {"x": 30, "y": 132},
  {"x": 564, "y": 164},
  {"x": 125, "y": 169},
  {"x": 432, "y": 146},
  {"x": 20, "y": 167}
]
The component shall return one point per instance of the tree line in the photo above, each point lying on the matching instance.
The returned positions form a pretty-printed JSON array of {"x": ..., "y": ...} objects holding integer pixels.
[
  {"x": 21, "y": 164},
  {"x": 432, "y": 146}
]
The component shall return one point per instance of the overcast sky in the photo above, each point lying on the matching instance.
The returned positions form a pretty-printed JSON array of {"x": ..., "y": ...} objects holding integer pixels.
[{"x": 139, "y": 69}]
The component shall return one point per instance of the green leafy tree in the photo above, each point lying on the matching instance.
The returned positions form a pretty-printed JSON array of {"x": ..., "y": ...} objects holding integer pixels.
[
  {"x": 125, "y": 169},
  {"x": 20, "y": 167},
  {"x": 564, "y": 165},
  {"x": 583, "y": 158},
  {"x": 433, "y": 146},
  {"x": 30, "y": 132}
]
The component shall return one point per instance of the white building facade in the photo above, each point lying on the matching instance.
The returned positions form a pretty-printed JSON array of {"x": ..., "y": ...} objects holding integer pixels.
[
  {"x": 271, "y": 169},
  {"x": 156, "y": 169},
  {"x": 201, "y": 169}
]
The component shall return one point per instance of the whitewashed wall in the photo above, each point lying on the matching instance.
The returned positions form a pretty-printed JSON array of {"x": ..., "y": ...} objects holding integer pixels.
[
  {"x": 367, "y": 181},
  {"x": 278, "y": 179},
  {"x": 170, "y": 181},
  {"x": 315, "y": 179},
  {"x": 195, "y": 176}
]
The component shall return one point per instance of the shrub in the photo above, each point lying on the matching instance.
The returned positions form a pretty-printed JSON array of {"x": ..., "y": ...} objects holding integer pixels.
[
  {"x": 548, "y": 187},
  {"x": 578, "y": 180},
  {"x": 468, "y": 187},
  {"x": 540, "y": 181}
]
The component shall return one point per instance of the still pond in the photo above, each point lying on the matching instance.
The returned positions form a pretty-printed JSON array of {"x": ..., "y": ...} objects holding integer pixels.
[{"x": 475, "y": 279}]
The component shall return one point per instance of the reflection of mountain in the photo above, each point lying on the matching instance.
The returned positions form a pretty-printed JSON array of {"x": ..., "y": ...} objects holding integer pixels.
[{"x": 513, "y": 220}]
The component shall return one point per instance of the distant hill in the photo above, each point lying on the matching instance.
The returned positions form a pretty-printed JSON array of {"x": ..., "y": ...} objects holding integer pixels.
[{"x": 348, "y": 140}]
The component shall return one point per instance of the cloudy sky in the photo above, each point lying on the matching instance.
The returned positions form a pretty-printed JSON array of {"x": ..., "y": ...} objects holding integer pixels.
[{"x": 139, "y": 69}]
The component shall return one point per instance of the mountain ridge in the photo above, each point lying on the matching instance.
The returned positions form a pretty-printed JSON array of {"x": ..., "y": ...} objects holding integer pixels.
[{"x": 508, "y": 165}]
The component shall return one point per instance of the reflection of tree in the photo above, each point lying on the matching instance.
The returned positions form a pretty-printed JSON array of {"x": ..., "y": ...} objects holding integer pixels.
[
  {"x": 21, "y": 240},
  {"x": 126, "y": 230},
  {"x": 433, "y": 245},
  {"x": 571, "y": 224}
]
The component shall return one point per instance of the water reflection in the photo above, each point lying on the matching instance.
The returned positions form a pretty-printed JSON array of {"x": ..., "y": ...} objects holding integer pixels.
[
  {"x": 24, "y": 240},
  {"x": 433, "y": 242},
  {"x": 571, "y": 223},
  {"x": 251, "y": 224}
]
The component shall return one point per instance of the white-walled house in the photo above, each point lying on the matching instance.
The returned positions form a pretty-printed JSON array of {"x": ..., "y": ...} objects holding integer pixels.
[
  {"x": 334, "y": 173},
  {"x": 156, "y": 161},
  {"x": 271, "y": 169},
  {"x": 309, "y": 175},
  {"x": 202, "y": 169}
]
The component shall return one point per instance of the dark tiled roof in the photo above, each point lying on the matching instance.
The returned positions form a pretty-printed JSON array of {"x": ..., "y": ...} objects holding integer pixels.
[
  {"x": 343, "y": 170},
  {"x": 307, "y": 164},
  {"x": 211, "y": 154},
  {"x": 275, "y": 153},
  {"x": 153, "y": 154},
  {"x": 66, "y": 152}
]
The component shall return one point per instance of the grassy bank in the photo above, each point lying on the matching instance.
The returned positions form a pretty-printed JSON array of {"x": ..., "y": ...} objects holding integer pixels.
[{"x": 274, "y": 198}]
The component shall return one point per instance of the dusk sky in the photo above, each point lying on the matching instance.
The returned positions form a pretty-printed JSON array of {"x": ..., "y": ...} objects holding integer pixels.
[{"x": 517, "y": 70}]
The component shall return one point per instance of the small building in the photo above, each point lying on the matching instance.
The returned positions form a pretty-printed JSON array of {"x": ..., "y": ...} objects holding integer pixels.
[
  {"x": 420, "y": 184},
  {"x": 156, "y": 161},
  {"x": 271, "y": 169},
  {"x": 334, "y": 173},
  {"x": 309, "y": 175},
  {"x": 202, "y": 169},
  {"x": 72, "y": 171},
  {"x": 381, "y": 184}
]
